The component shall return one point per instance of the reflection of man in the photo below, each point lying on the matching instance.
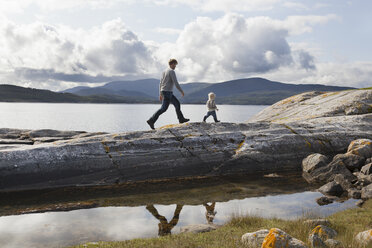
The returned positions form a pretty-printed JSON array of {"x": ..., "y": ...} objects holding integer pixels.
[
  {"x": 165, "y": 228},
  {"x": 210, "y": 213}
]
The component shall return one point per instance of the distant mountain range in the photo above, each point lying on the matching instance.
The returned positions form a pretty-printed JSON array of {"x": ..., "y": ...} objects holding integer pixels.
[
  {"x": 139, "y": 88},
  {"x": 12, "y": 93},
  {"x": 240, "y": 91}
]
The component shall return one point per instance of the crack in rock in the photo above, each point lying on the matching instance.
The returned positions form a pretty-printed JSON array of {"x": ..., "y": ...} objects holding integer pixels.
[
  {"x": 116, "y": 166},
  {"x": 180, "y": 139}
]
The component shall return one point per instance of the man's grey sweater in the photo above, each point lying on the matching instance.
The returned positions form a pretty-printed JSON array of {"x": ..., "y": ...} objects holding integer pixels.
[{"x": 168, "y": 80}]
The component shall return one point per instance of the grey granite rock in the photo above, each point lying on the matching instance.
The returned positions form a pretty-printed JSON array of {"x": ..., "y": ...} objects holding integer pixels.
[
  {"x": 329, "y": 172},
  {"x": 316, "y": 241},
  {"x": 52, "y": 133},
  {"x": 332, "y": 243},
  {"x": 358, "y": 109},
  {"x": 331, "y": 188},
  {"x": 368, "y": 160},
  {"x": 313, "y": 105},
  {"x": 354, "y": 193},
  {"x": 351, "y": 161},
  {"x": 313, "y": 162},
  {"x": 323, "y": 232},
  {"x": 254, "y": 239},
  {"x": 198, "y": 228},
  {"x": 361, "y": 147},
  {"x": 367, "y": 192},
  {"x": 364, "y": 238},
  {"x": 324, "y": 200},
  {"x": 362, "y": 179},
  {"x": 277, "y": 238},
  {"x": 367, "y": 169},
  {"x": 292, "y": 129},
  {"x": 344, "y": 181},
  {"x": 360, "y": 203}
]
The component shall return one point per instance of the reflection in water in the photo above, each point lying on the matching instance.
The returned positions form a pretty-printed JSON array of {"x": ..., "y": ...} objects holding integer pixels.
[
  {"x": 165, "y": 227},
  {"x": 61, "y": 229},
  {"x": 210, "y": 213},
  {"x": 127, "y": 211}
]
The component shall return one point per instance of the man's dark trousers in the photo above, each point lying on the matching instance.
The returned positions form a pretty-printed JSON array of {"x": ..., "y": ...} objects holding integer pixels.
[{"x": 168, "y": 98}]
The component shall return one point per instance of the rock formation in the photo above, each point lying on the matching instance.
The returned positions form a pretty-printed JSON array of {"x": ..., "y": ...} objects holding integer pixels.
[
  {"x": 198, "y": 228},
  {"x": 255, "y": 239},
  {"x": 364, "y": 238},
  {"x": 346, "y": 175},
  {"x": 277, "y": 238},
  {"x": 274, "y": 141},
  {"x": 321, "y": 235}
]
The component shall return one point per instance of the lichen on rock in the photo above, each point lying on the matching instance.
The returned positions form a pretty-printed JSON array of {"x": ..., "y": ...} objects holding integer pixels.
[
  {"x": 319, "y": 236},
  {"x": 254, "y": 239},
  {"x": 364, "y": 238},
  {"x": 277, "y": 238},
  {"x": 361, "y": 147},
  {"x": 324, "y": 232}
]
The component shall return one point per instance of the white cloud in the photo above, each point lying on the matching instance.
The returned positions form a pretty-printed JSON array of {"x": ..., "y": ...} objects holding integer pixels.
[
  {"x": 168, "y": 31},
  {"x": 19, "y": 6},
  {"x": 39, "y": 52},
  {"x": 304, "y": 24},
  {"x": 352, "y": 74},
  {"x": 11, "y": 6},
  {"x": 223, "y": 5},
  {"x": 238, "y": 5},
  {"x": 234, "y": 46},
  {"x": 321, "y": 5},
  {"x": 355, "y": 74},
  {"x": 209, "y": 50},
  {"x": 295, "y": 5}
]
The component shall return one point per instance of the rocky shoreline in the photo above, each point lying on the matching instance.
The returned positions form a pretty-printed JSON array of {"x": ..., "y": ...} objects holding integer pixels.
[
  {"x": 347, "y": 175},
  {"x": 275, "y": 140},
  {"x": 321, "y": 236},
  {"x": 348, "y": 228}
]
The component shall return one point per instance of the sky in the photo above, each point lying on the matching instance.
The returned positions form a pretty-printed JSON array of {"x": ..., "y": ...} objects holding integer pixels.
[{"x": 55, "y": 45}]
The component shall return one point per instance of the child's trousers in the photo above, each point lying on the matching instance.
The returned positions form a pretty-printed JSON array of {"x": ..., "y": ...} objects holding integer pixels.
[{"x": 211, "y": 113}]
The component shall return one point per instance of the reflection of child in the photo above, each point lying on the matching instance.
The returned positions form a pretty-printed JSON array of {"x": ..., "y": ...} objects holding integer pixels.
[
  {"x": 210, "y": 213},
  {"x": 211, "y": 105}
]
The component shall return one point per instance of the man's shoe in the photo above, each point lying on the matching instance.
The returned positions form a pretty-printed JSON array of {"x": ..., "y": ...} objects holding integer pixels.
[
  {"x": 184, "y": 120},
  {"x": 151, "y": 124},
  {"x": 217, "y": 121}
]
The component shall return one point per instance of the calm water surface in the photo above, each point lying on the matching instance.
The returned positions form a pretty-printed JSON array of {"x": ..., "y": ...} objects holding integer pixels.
[
  {"x": 59, "y": 229},
  {"x": 108, "y": 117},
  {"x": 136, "y": 214}
]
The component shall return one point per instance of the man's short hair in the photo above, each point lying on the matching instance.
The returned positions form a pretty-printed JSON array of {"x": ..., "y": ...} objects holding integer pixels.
[{"x": 172, "y": 61}]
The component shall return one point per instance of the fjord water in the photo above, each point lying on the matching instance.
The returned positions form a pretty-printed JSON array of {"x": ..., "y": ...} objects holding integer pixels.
[
  {"x": 40, "y": 219},
  {"x": 141, "y": 211},
  {"x": 108, "y": 117}
]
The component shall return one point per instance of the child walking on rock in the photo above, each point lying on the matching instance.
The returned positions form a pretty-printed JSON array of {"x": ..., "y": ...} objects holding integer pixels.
[{"x": 211, "y": 105}]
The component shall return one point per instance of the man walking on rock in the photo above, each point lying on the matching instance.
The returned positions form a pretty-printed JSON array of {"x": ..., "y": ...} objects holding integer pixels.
[{"x": 167, "y": 82}]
